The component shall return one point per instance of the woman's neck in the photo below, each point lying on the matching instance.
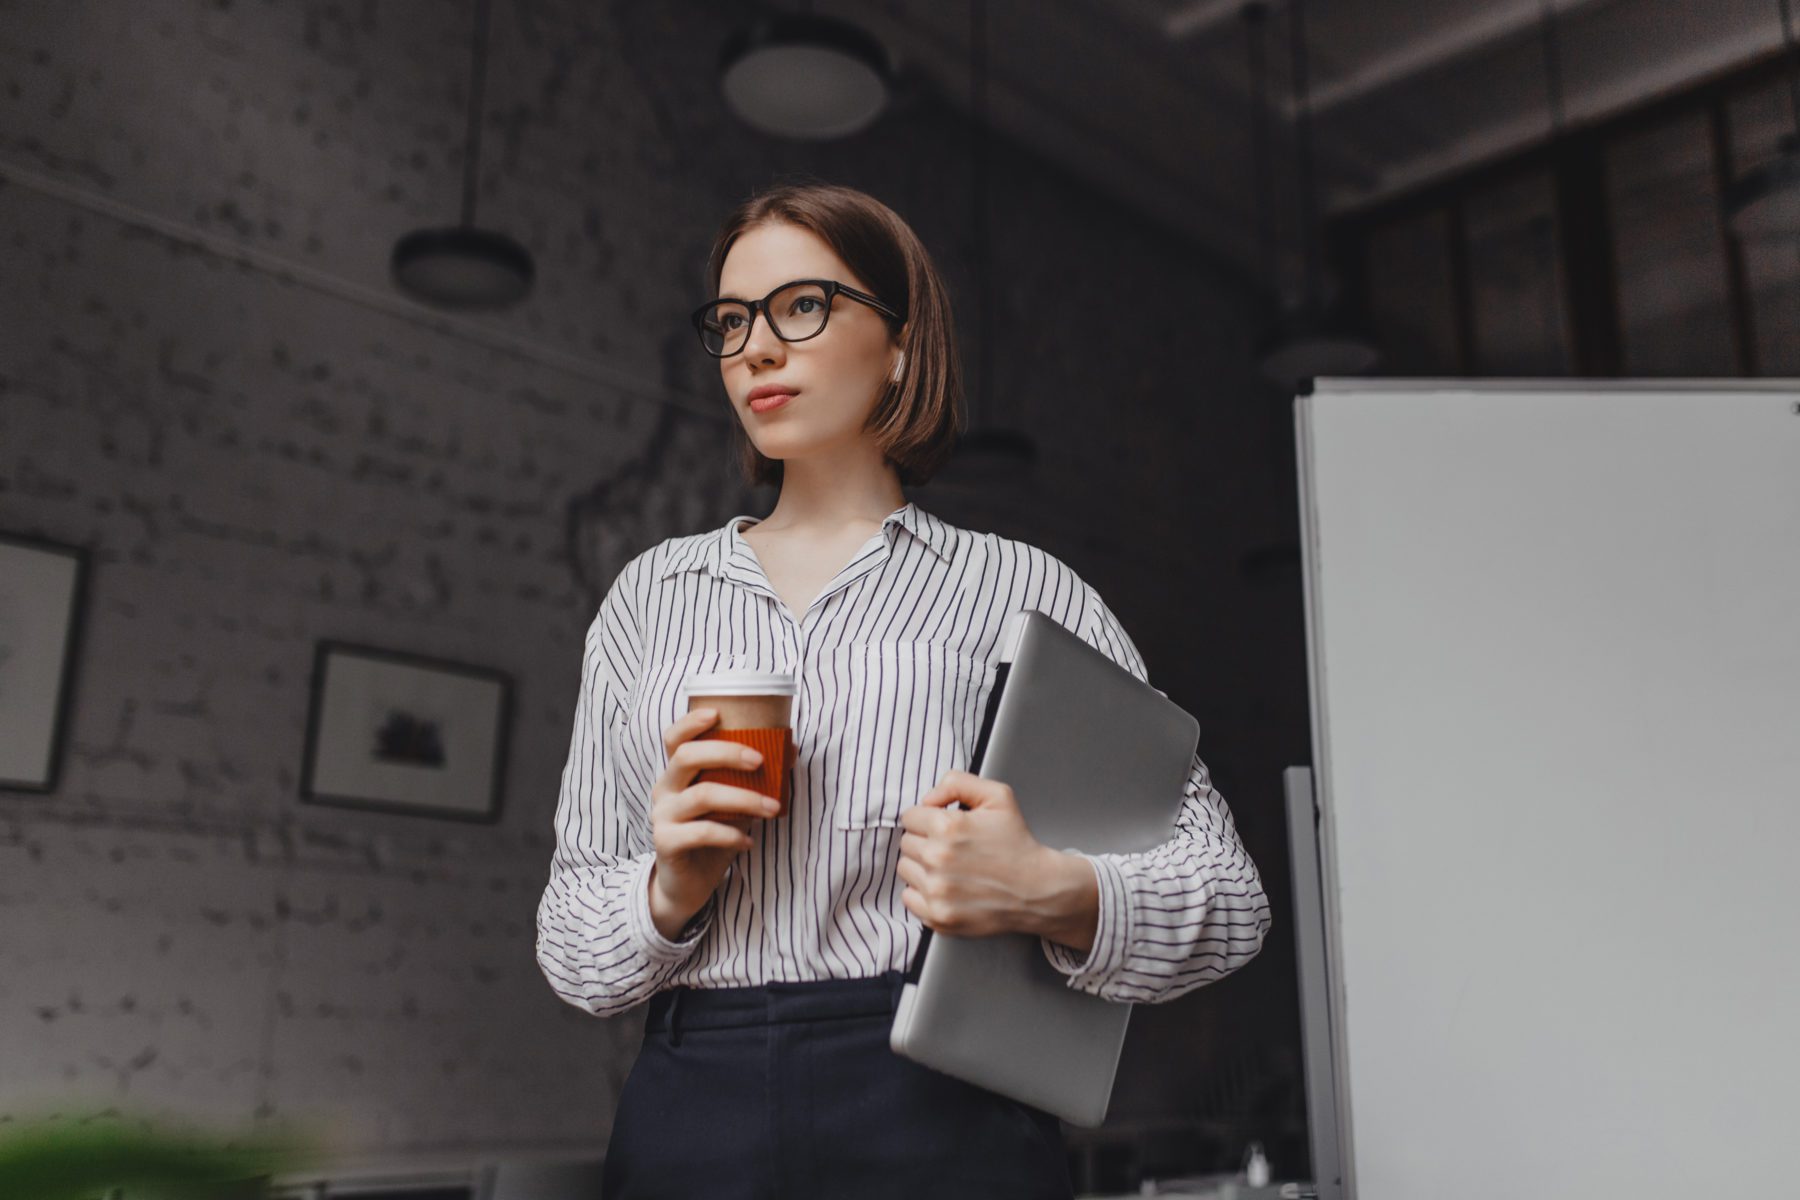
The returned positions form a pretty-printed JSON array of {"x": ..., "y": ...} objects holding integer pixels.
[{"x": 822, "y": 506}]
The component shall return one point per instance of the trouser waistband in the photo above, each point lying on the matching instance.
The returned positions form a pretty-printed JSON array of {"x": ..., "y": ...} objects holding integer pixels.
[{"x": 682, "y": 1008}]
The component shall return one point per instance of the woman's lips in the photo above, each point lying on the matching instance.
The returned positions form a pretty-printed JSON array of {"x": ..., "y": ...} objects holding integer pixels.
[{"x": 763, "y": 404}]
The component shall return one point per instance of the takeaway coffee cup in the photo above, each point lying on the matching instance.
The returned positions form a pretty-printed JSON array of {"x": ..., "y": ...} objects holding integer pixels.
[{"x": 755, "y": 708}]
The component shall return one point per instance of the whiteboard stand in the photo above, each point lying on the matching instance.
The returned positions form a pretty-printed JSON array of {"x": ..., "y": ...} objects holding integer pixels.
[{"x": 1315, "y": 1005}]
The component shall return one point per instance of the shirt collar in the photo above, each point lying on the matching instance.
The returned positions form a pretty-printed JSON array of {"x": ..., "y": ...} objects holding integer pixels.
[{"x": 716, "y": 549}]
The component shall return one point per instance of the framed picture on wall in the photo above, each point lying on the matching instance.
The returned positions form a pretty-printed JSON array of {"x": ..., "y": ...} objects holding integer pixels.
[
  {"x": 42, "y": 600},
  {"x": 402, "y": 733}
]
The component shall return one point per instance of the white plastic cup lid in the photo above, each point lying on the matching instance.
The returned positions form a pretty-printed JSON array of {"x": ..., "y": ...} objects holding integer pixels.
[{"x": 740, "y": 683}]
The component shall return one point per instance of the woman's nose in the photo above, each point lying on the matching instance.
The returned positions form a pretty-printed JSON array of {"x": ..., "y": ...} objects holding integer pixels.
[{"x": 761, "y": 344}]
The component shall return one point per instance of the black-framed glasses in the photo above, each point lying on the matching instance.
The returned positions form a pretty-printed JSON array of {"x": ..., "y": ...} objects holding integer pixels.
[{"x": 795, "y": 311}]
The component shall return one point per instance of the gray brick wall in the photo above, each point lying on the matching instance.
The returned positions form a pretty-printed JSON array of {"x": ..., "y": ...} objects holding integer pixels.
[{"x": 205, "y": 377}]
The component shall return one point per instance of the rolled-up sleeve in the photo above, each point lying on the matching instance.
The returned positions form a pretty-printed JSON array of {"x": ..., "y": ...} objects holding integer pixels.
[
  {"x": 1182, "y": 914},
  {"x": 596, "y": 942}
]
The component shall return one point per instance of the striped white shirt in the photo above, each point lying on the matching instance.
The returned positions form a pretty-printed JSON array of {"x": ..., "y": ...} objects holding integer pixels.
[{"x": 895, "y": 658}]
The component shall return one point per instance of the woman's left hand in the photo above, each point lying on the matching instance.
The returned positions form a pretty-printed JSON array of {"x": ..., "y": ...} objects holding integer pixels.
[{"x": 980, "y": 872}]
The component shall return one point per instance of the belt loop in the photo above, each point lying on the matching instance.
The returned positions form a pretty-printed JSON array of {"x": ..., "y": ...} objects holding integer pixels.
[{"x": 674, "y": 1008}]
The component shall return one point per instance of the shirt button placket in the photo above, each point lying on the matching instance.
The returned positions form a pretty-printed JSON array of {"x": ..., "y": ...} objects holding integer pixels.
[
  {"x": 799, "y": 665},
  {"x": 796, "y": 663}
]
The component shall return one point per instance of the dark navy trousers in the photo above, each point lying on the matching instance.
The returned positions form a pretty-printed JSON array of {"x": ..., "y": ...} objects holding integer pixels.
[{"x": 790, "y": 1092}]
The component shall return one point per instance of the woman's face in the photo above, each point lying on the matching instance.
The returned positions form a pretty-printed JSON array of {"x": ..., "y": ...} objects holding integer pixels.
[{"x": 836, "y": 377}]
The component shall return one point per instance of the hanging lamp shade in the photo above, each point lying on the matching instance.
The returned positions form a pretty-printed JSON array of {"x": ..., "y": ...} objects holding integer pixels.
[
  {"x": 1270, "y": 563},
  {"x": 462, "y": 267},
  {"x": 1318, "y": 338},
  {"x": 985, "y": 470},
  {"x": 989, "y": 459},
  {"x": 1764, "y": 203},
  {"x": 1313, "y": 343},
  {"x": 997, "y": 445},
  {"x": 800, "y": 75},
  {"x": 986, "y": 455}
]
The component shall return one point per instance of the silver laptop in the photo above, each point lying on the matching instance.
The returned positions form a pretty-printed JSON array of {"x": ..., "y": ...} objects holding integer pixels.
[{"x": 1098, "y": 761}]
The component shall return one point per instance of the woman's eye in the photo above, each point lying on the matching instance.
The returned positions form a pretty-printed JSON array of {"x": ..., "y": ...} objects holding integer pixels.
[{"x": 805, "y": 300}]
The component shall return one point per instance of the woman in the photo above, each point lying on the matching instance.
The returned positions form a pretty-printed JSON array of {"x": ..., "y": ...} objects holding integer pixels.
[{"x": 771, "y": 950}]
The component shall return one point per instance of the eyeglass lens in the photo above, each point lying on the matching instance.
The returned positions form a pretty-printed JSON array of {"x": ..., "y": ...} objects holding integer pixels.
[{"x": 797, "y": 311}]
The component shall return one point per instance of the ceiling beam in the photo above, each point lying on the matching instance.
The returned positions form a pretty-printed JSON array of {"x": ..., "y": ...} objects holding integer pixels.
[
  {"x": 1593, "y": 103},
  {"x": 1487, "y": 26},
  {"x": 1195, "y": 18}
]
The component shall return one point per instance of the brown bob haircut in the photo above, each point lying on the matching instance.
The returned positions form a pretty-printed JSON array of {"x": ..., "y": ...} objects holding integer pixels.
[{"x": 915, "y": 422}]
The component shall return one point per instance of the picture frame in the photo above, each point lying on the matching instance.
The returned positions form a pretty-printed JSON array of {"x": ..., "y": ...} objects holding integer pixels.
[
  {"x": 405, "y": 733},
  {"x": 43, "y": 609}
]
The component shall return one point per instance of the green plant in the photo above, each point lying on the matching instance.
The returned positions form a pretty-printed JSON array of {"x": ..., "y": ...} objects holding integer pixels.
[{"x": 86, "y": 1158}]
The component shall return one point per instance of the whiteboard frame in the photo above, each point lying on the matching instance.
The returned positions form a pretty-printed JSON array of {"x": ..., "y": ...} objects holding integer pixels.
[
  {"x": 1337, "y": 1079},
  {"x": 1546, "y": 384},
  {"x": 1338, "y": 1082}
]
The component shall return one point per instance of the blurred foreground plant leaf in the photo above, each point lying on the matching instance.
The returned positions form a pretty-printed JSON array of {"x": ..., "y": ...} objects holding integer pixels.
[{"x": 83, "y": 1158}]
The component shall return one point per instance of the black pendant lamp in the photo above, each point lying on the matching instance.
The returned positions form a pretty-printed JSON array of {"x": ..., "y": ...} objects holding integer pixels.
[
  {"x": 463, "y": 267},
  {"x": 1315, "y": 339},
  {"x": 986, "y": 455},
  {"x": 1764, "y": 203},
  {"x": 1274, "y": 563},
  {"x": 1262, "y": 176},
  {"x": 800, "y": 75}
]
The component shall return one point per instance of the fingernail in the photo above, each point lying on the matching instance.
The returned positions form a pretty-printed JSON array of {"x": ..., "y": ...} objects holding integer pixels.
[
  {"x": 771, "y": 807},
  {"x": 751, "y": 757}
]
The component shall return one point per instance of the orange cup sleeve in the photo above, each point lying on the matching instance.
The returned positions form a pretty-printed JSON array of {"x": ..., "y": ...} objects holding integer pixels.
[{"x": 773, "y": 777}]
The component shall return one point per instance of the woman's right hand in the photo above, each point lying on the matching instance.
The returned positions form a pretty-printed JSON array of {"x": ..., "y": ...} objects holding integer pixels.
[{"x": 698, "y": 828}]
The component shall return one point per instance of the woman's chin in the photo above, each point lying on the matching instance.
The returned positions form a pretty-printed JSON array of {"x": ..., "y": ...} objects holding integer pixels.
[
  {"x": 794, "y": 443},
  {"x": 782, "y": 446}
]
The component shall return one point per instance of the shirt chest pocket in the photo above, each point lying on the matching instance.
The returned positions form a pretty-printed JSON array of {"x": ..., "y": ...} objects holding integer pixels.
[{"x": 893, "y": 717}]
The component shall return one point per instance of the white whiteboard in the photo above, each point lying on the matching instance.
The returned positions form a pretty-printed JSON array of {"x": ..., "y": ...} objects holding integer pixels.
[{"x": 1554, "y": 643}]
